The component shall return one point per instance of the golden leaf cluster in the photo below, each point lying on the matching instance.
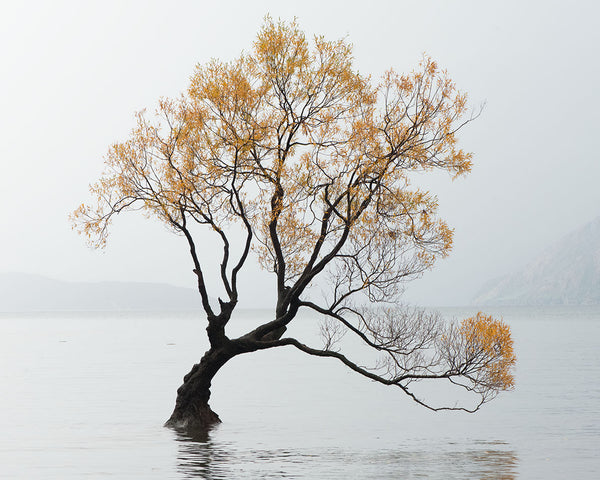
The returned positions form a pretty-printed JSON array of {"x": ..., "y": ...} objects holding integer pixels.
[{"x": 489, "y": 346}]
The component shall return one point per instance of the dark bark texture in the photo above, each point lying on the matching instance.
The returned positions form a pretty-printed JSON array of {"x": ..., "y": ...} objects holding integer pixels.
[{"x": 192, "y": 411}]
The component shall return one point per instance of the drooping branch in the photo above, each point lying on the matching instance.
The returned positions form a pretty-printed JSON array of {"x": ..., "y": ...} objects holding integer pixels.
[{"x": 397, "y": 382}]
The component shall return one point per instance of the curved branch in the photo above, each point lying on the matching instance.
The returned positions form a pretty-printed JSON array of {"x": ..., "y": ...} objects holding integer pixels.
[{"x": 366, "y": 373}]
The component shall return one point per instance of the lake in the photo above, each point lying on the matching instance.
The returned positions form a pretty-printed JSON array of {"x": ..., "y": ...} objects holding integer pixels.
[{"x": 84, "y": 396}]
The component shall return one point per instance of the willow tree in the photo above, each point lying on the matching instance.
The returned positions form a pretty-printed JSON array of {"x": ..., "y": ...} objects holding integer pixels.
[{"x": 311, "y": 162}]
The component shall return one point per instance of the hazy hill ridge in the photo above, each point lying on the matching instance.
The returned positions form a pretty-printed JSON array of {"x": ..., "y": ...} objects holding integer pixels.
[
  {"x": 23, "y": 292},
  {"x": 568, "y": 273}
]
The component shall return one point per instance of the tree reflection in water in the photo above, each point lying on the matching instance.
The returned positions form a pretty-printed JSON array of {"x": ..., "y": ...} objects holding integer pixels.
[
  {"x": 198, "y": 456},
  {"x": 201, "y": 456}
]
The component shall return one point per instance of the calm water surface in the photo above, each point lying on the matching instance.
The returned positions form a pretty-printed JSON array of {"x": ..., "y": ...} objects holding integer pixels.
[{"x": 85, "y": 395}]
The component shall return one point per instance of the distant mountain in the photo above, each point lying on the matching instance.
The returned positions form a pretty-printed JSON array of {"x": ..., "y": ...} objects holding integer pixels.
[
  {"x": 568, "y": 273},
  {"x": 23, "y": 292}
]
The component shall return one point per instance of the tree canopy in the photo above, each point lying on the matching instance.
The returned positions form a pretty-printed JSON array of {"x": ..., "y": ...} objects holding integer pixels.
[{"x": 312, "y": 162}]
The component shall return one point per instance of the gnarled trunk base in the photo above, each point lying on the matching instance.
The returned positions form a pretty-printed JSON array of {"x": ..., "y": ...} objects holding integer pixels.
[
  {"x": 202, "y": 418},
  {"x": 192, "y": 411}
]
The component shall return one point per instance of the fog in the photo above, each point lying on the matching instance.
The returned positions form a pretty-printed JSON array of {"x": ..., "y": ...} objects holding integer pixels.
[{"x": 74, "y": 73}]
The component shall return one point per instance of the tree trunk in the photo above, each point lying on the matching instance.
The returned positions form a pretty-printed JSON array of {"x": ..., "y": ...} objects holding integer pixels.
[{"x": 192, "y": 411}]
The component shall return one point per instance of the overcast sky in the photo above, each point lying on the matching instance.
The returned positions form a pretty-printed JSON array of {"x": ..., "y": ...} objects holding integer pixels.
[{"x": 73, "y": 74}]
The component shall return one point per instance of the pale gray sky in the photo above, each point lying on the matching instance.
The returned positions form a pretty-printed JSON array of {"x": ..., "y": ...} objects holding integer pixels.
[{"x": 73, "y": 73}]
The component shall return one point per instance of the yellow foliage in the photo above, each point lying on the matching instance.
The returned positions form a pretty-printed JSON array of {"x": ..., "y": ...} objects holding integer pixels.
[{"x": 489, "y": 347}]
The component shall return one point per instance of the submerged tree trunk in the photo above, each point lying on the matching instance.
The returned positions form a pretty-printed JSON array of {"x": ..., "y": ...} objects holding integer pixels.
[{"x": 192, "y": 410}]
